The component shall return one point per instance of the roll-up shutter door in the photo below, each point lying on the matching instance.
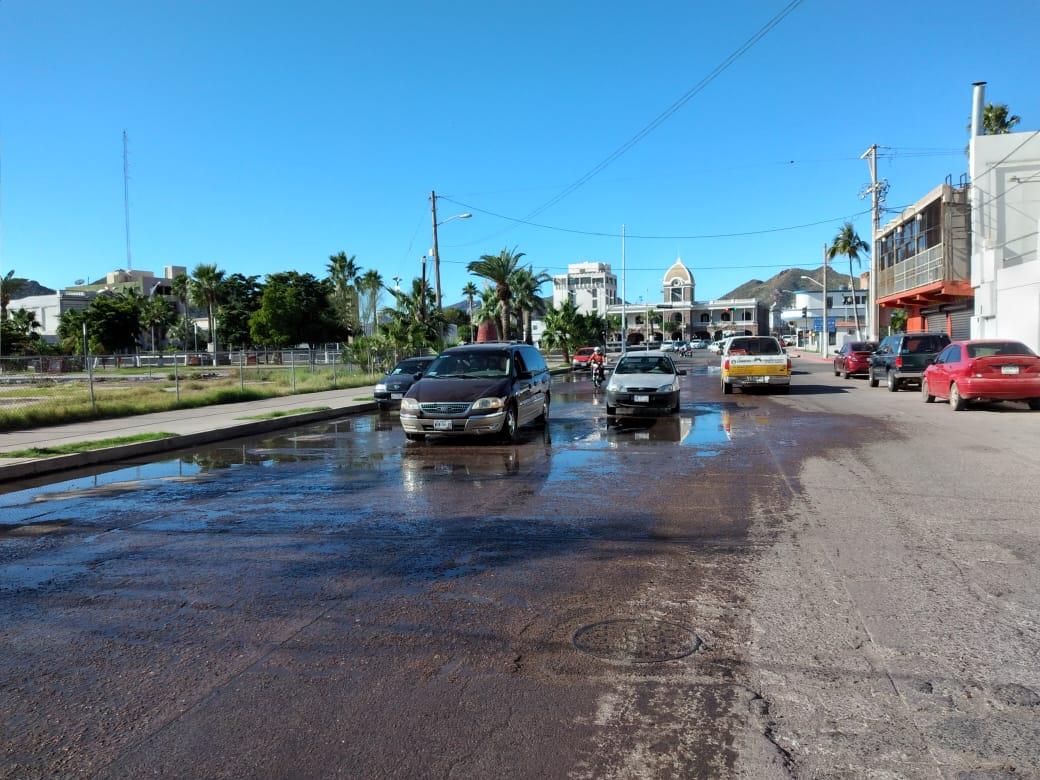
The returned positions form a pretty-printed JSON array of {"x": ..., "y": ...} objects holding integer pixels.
[
  {"x": 960, "y": 324},
  {"x": 936, "y": 322}
]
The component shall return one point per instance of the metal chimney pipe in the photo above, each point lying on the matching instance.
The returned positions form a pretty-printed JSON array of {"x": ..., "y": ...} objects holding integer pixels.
[{"x": 978, "y": 102}]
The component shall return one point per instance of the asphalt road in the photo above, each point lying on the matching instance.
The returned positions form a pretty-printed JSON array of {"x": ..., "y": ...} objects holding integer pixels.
[{"x": 836, "y": 583}]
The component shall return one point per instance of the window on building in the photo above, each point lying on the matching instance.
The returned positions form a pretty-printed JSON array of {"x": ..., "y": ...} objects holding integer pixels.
[
  {"x": 705, "y": 317},
  {"x": 726, "y": 316},
  {"x": 747, "y": 315},
  {"x": 676, "y": 291}
]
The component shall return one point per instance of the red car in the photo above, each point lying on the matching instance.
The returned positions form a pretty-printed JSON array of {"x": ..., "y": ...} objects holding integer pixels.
[
  {"x": 854, "y": 358},
  {"x": 983, "y": 370}
]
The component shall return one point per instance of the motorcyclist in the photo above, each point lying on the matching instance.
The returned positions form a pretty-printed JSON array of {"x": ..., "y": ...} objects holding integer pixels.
[{"x": 597, "y": 363}]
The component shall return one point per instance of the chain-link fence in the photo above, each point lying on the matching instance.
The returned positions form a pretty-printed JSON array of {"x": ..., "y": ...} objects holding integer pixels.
[{"x": 49, "y": 390}]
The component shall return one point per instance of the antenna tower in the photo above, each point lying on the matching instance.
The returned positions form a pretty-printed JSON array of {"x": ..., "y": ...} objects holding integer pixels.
[{"x": 126, "y": 201}]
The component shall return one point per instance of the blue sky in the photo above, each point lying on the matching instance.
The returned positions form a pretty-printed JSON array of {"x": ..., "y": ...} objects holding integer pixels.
[{"x": 266, "y": 136}]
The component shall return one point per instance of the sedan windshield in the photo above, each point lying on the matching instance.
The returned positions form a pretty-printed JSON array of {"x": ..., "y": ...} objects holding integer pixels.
[
  {"x": 410, "y": 367},
  {"x": 998, "y": 348},
  {"x": 475, "y": 364},
  {"x": 645, "y": 365}
]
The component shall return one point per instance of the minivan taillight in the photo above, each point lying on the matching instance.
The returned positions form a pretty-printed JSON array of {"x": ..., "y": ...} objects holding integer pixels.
[{"x": 725, "y": 365}]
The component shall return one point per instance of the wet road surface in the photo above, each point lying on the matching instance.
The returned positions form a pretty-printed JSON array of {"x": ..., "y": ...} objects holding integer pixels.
[{"x": 333, "y": 602}]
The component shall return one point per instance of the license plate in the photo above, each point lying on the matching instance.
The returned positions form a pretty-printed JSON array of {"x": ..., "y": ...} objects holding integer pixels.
[
  {"x": 1009, "y": 369},
  {"x": 396, "y": 396},
  {"x": 643, "y": 435},
  {"x": 442, "y": 425},
  {"x": 641, "y": 399}
]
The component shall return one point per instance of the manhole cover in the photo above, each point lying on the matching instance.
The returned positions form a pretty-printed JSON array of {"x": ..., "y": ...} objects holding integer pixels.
[{"x": 636, "y": 641}]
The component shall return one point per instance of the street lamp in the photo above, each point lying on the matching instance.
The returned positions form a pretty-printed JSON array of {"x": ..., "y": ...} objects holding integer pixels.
[
  {"x": 435, "y": 251},
  {"x": 825, "y": 338}
]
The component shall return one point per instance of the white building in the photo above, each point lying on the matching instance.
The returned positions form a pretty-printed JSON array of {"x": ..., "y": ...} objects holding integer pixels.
[
  {"x": 49, "y": 308},
  {"x": 590, "y": 286},
  {"x": 1005, "y": 253},
  {"x": 805, "y": 317}
]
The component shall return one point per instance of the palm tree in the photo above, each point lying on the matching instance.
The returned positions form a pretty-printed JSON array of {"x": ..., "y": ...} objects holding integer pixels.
[
  {"x": 560, "y": 329},
  {"x": 371, "y": 285},
  {"x": 156, "y": 315},
  {"x": 497, "y": 269},
  {"x": 204, "y": 290},
  {"x": 848, "y": 243},
  {"x": 524, "y": 284},
  {"x": 9, "y": 288},
  {"x": 344, "y": 275},
  {"x": 470, "y": 291},
  {"x": 997, "y": 120},
  {"x": 413, "y": 323},
  {"x": 489, "y": 311}
]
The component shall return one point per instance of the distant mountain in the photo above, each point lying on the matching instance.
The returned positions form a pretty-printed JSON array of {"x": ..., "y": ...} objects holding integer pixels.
[
  {"x": 32, "y": 287},
  {"x": 791, "y": 279}
]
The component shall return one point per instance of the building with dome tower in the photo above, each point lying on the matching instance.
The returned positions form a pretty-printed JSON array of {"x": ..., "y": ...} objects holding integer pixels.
[{"x": 680, "y": 316}]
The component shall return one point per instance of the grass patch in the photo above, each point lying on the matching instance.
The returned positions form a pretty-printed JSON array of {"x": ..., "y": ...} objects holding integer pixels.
[
  {"x": 363, "y": 398},
  {"x": 71, "y": 402},
  {"x": 274, "y": 415},
  {"x": 85, "y": 446}
]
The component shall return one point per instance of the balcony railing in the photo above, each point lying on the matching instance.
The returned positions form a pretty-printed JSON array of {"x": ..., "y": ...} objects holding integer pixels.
[{"x": 923, "y": 268}]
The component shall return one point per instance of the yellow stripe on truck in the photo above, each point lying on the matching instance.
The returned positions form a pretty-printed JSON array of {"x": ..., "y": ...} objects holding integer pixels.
[{"x": 745, "y": 369}]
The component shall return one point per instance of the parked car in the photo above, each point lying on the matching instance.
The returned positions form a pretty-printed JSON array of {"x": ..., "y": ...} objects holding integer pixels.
[
  {"x": 392, "y": 387},
  {"x": 854, "y": 358},
  {"x": 699, "y": 344},
  {"x": 643, "y": 385},
  {"x": 902, "y": 358},
  {"x": 983, "y": 370},
  {"x": 715, "y": 347},
  {"x": 754, "y": 361},
  {"x": 489, "y": 388},
  {"x": 788, "y": 341},
  {"x": 581, "y": 357}
]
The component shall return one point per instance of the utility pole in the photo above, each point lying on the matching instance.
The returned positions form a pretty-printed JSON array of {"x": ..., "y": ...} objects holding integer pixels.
[
  {"x": 875, "y": 224},
  {"x": 436, "y": 251},
  {"x": 126, "y": 201},
  {"x": 624, "y": 297},
  {"x": 826, "y": 329}
]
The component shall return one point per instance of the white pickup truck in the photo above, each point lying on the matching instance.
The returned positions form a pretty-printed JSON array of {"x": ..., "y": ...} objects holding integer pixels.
[{"x": 754, "y": 361}]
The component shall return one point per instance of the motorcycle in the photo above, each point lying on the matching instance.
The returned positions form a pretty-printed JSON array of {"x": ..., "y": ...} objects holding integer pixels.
[{"x": 597, "y": 375}]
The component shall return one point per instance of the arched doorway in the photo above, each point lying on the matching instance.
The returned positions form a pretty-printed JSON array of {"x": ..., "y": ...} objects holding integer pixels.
[
  {"x": 635, "y": 338},
  {"x": 676, "y": 335}
]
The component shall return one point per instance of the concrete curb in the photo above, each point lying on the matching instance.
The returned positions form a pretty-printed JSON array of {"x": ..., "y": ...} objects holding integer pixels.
[{"x": 33, "y": 468}]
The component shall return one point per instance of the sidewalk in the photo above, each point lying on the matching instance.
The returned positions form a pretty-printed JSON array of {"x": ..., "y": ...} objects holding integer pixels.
[{"x": 192, "y": 426}]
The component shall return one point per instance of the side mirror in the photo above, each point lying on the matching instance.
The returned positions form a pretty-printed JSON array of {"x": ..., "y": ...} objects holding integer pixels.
[
  {"x": 417, "y": 376},
  {"x": 682, "y": 372}
]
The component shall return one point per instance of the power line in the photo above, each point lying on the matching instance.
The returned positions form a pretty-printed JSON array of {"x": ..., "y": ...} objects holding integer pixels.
[
  {"x": 668, "y": 112},
  {"x": 604, "y": 234},
  {"x": 661, "y": 268}
]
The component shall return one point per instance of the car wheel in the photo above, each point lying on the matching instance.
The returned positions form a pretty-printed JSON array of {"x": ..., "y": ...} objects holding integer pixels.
[
  {"x": 1034, "y": 404},
  {"x": 893, "y": 383},
  {"x": 415, "y": 436},
  {"x": 510, "y": 426},
  {"x": 871, "y": 378},
  {"x": 957, "y": 403},
  {"x": 543, "y": 418},
  {"x": 925, "y": 395},
  {"x": 727, "y": 388},
  {"x": 611, "y": 411},
  {"x": 844, "y": 374},
  {"x": 836, "y": 372}
]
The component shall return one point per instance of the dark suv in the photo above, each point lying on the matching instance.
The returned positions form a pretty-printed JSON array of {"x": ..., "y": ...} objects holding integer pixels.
[
  {"x": 901, "y": 359},
  {"x": 489, "y": 388},
  {"x": 392, "y": 387}
]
